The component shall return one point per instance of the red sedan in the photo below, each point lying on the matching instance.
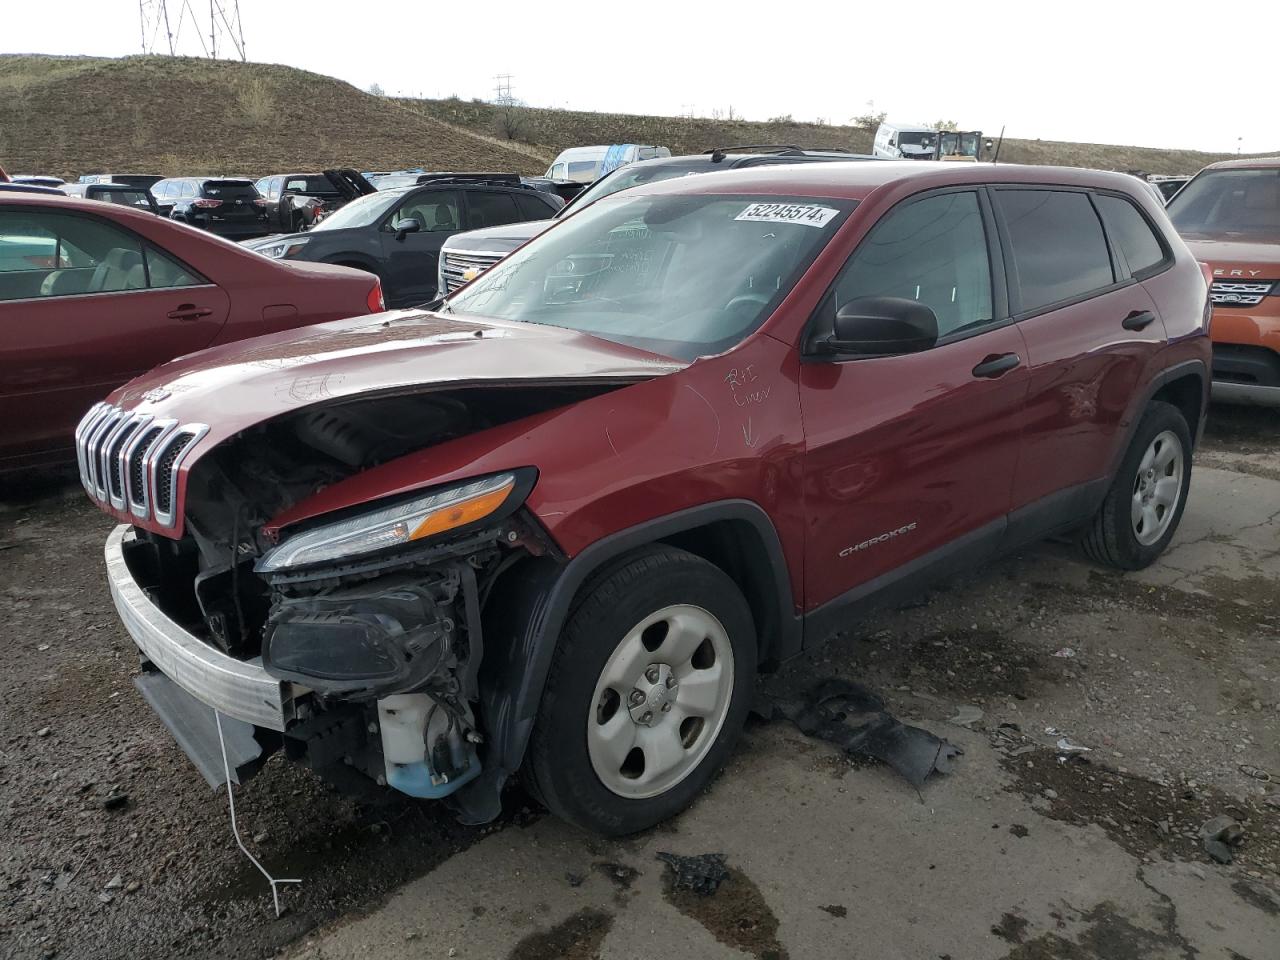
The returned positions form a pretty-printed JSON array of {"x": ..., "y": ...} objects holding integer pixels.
[{"x": 93, "y": 294}]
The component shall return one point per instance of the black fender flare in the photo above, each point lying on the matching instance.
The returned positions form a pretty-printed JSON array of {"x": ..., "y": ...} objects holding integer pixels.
[
  {"x": 527, "y": 616},
  {"x": 1162, "y": 379}
]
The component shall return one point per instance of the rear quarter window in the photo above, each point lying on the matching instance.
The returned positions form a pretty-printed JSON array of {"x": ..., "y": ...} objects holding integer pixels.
[
  {"x": 1059, "y": 250},
  {"x": 1130, "y": 233}
]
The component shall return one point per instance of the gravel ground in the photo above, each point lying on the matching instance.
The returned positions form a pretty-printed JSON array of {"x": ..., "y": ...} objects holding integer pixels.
[{"x": 115, "y": 847}]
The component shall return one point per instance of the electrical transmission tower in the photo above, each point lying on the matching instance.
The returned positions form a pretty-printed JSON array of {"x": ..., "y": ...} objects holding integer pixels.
[
  {"x": 210, "y": 28},
  {"x": 502, "y": 91}
]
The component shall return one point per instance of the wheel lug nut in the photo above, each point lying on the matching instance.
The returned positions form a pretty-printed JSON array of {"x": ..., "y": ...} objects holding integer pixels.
[
  {"x": 666, "y": 708},
  {"x": 647, "y": 718},
  {"x": 671, "y": 682},
  {"x": 651, "y": 674},
  {"x": 637, "y": 698}
]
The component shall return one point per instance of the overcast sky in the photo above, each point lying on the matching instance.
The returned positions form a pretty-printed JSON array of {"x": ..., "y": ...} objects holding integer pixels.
[{"x": 1106, "y": 71}]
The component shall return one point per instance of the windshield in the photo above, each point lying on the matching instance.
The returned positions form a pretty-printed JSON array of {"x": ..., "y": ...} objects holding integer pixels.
[
  {"x": 1244, "y": 202},
  {"x": 683, "y": 276},
  {"x": 916, "y": 138},
  {"x": 360, "y": 212}
]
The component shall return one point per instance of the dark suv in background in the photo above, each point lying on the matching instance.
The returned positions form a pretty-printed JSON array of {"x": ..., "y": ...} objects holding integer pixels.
[
  {"x": 465, "y": 256},
  {"x": 397, "y": 233},
  {"x": 229, "y": 207}
]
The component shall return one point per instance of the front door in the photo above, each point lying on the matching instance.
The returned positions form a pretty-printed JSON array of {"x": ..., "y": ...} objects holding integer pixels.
[
  {"x": 411, "y": 258},
  {"x": 910, "y": 459},
  {"x": 85, "y": 306}
]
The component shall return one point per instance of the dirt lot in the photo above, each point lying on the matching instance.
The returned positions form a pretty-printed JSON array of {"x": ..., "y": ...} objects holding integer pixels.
[{"x": 114, "y": 847}]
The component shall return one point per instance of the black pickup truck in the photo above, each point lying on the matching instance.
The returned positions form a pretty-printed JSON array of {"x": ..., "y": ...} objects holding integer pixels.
[{"x": 298, "y": 201}]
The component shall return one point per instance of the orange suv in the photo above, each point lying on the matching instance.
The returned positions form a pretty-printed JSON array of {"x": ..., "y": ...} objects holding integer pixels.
[{"x": 1229, "y": 215}]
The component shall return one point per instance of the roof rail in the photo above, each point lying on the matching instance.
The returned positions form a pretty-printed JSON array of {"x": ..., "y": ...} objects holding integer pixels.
[
  {"x": 719, "y": 153},
  {"x": 510, "y": 179}
]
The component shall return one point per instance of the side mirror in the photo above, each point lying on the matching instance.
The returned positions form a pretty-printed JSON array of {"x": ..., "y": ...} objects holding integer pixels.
[
  {"x": 989, "y": 144},
  {"x": 882, "y": 326},
  {"x": 408, "y": 225}
]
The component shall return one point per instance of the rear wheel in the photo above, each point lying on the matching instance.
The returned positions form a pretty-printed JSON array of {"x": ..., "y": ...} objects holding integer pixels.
[
  {"x": 1142, "y": 509},
  {"x": 647, "y": 693}
]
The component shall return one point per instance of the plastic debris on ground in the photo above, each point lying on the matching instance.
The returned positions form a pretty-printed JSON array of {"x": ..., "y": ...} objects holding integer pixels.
[
  {"x": 855, "y": 719},
  {"x": 702, "y": 874}
]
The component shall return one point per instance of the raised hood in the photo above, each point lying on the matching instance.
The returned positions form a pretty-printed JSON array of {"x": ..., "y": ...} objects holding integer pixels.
[
  {"x": 230, "y": 388},
  {"x": 1255, "y": 259}
]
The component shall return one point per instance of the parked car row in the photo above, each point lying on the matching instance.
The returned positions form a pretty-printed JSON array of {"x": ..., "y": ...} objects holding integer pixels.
[{"x": 397, "y": 232}]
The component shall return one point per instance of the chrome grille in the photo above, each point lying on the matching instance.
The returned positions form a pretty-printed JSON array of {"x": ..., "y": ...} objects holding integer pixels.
[
  {"x": 1236, "y": 293},
  {"x": 453, "y": 264},
  {"x": 131, "y": 461}
]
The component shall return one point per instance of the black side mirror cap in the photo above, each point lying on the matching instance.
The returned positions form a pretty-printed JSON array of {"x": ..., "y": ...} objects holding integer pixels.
[
  {"x": 408, "y": 225},
  {"x": 881, "y": 326}
]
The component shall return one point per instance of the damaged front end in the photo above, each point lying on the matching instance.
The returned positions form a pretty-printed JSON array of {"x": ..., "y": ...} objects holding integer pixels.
[{"x": 353, "y": 642}]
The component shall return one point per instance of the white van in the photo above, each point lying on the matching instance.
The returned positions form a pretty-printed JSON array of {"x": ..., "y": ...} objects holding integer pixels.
[
  {"x": 905, "y": 141},
  {"x": 586, "y": 164}
]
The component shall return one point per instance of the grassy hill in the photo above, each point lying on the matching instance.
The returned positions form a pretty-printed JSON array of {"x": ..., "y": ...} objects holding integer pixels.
[
  {"x": 551, "y": 131},
  {"x": 185, "y": 115}
]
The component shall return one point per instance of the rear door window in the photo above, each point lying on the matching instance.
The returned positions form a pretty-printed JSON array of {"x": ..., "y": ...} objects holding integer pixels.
[
  {"x": 933, "y": 251},
  {"x": 532, "y": 208},
  {"x": 164, "y": 272},
  {"x": 1130, "y": 233},
  {"x": 187, "y": 189},
  {"x": 1059, "y": 250},
  {"x": 485, "y": 209}
]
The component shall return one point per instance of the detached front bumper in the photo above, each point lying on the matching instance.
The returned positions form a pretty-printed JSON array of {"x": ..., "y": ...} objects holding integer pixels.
[{"x": 235, "y": 688}]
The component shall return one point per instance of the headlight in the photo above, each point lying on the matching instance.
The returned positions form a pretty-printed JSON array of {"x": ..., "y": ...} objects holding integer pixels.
[
  {"x": 403, "y": 523},
  {"x": 282, "y": 248}
]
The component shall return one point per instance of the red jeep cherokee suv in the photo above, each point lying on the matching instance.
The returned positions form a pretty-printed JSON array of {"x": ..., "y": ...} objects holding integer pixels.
[{"x": 559, "y": 521}]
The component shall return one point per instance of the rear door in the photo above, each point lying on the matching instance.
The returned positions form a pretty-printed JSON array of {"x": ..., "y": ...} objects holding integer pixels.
[
  {"x": 84, "y": 306},
  {"x": 910, "y": 459},
  {"x": 1091, "y": 332},
  {"x": 411, "y": 260}
]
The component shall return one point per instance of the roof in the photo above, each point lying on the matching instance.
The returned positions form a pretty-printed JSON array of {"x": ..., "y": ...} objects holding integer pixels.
[
  {"x": 59, "y": 200},
  {"x": 857, "y": 179},
  {"x": 1255, "y": 163}
]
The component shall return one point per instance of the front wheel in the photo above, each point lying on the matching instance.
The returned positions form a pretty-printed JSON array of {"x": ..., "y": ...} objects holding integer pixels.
[
  {"x": 647, "y": 693},
  {"x": 1142, "y": 509}
]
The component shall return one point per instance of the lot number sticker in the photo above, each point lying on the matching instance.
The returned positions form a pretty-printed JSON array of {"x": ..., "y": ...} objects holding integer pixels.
[{"x": 808, "y": 214}]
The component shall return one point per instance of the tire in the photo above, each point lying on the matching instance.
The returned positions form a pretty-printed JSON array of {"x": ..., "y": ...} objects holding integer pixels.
[
  {"x": 640, "y": 619},
  {"x": 1116, "y": 536}
]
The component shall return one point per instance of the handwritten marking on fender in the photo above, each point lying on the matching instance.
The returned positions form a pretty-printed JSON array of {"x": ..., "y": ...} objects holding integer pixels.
[
  {"x": 745, "y": 386},
  {"x": 747, "y": 438}
]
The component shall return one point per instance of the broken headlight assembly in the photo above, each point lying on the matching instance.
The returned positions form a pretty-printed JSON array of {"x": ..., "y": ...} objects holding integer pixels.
[{"x": 442, "y": 511}]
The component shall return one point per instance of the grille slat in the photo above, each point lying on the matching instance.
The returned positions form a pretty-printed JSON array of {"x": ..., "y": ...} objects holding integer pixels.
[
  {"x": 1239, "y": 293},
  {"x": 454, "y": 265},
  {"x": 132, "y": 462}
]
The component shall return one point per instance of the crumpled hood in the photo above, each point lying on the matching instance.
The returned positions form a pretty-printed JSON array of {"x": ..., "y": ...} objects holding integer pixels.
[
  {"x": 1226, "y": 255},
  {"x": 235, "y": 386}
]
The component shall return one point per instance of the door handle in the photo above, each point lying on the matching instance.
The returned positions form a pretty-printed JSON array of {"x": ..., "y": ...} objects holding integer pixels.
[
  {"x": 188, "y": 311},
  {"x": 997, "y": 365},
  {"x": 1138, "y": 320}
]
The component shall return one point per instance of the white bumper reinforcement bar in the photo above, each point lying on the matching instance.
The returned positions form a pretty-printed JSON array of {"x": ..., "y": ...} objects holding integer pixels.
[{"x": 236, "y": 688}]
